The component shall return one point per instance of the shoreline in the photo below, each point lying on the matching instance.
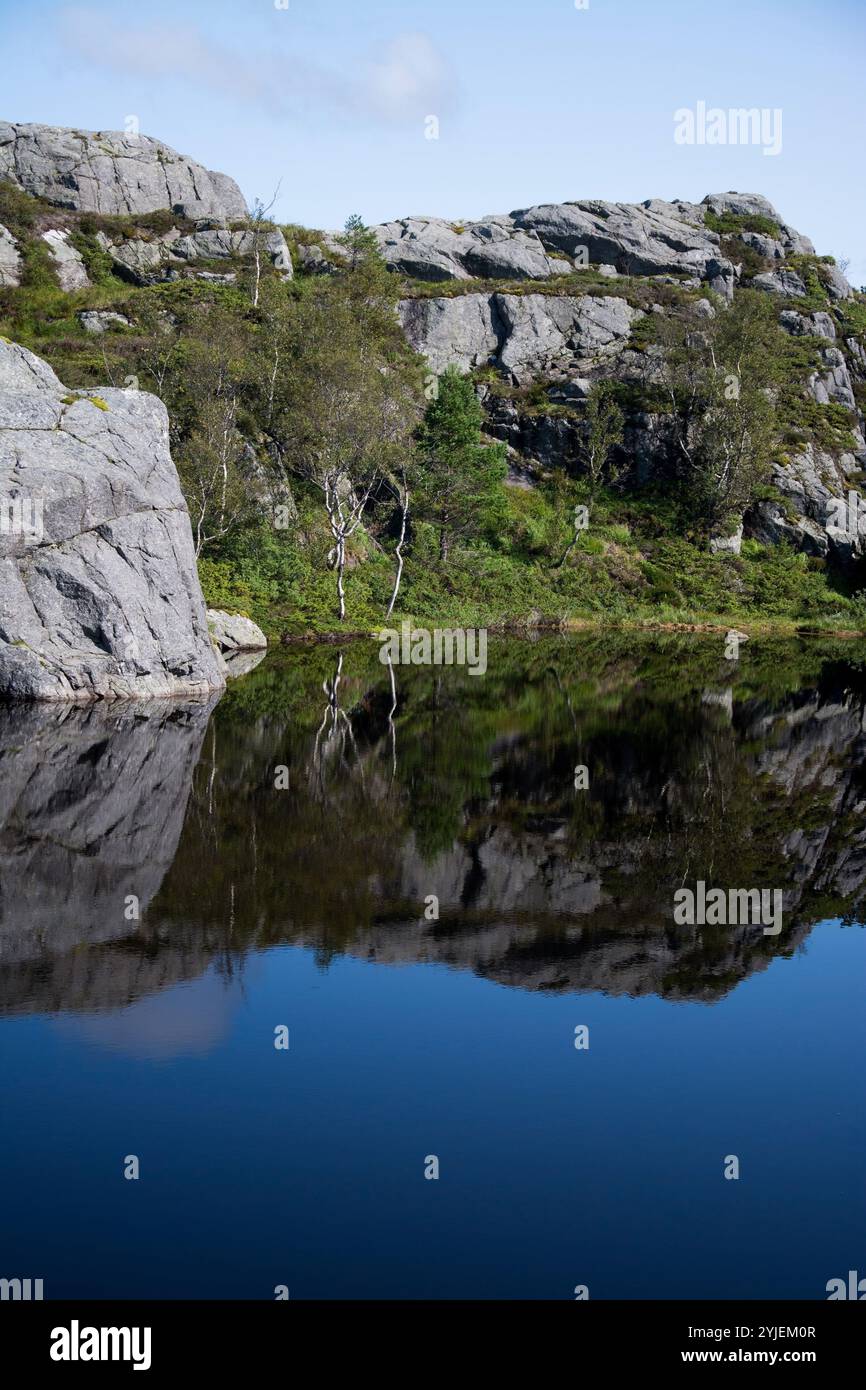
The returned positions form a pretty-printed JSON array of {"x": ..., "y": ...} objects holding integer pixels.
[{"x": 761, "y": 627}]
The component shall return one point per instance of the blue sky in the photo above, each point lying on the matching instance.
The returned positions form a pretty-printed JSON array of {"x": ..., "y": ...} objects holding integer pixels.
[{"x": 537, "y": 100}]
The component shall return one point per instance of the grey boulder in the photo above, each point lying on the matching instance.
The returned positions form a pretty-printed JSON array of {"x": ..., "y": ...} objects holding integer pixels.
[
  {"x": 785, "y": 283},
  {"x": 111, "y": 172},
  {"x": 766, "y": 246},
  {"x": 234, "y": 632},
  {"x": 833, "y": 385},
  {"x": 99, "y": 321},
  {"x": 138, "y": 260},
  {"x": 837, "y": 285},
  {"x": 428, "y": 248},
  {"x": 68, "y": 264},
  {"x": 220, "y": 244},
  {"x": 99, "y": 594},
  {"x": 756, "y": 205},
  {"x": 652, "y": 238},
  {"x": 818, "y": 325}
]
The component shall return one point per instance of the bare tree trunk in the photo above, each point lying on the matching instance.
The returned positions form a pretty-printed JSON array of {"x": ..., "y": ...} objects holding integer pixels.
[
  {"x": 273, "y": 385},
  {"x": 443, "y": 547},
  {"x": 258, "y": 260},
  {"x": 341, "y": 565},
  {"x": 391, "y": 714},
  {"x": 399, "y": 575}
]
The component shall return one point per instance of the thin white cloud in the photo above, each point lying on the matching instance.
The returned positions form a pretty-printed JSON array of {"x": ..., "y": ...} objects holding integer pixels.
[{"x": 408, "y": 80}]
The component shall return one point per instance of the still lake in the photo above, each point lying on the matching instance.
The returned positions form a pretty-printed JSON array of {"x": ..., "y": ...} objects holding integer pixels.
[{"x": 179, "y": 882}]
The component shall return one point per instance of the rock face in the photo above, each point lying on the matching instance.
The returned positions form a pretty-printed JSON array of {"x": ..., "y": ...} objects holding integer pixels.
[
  {"x": 110, "y": 172},
  {"x": 651, "y": 238},
  {"x": 99, "y": 595},
  {"x": 565, "y": 342},
  {"x": 427, "y": 248},
  {"x": 524, "y": 335}
]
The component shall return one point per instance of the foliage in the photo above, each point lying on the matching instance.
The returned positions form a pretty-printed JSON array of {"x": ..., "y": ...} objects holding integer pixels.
[
  {"x": 311, "y": 399},
  {"x": 461, "y": 485}
]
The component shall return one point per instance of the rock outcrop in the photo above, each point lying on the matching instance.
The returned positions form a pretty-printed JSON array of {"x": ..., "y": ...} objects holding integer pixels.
[
  {"x": 99, "y": 595},
  {"x": 68, "y": 263},
  {"x": 524, "y": 335},
  {"x": 108, "y": 171},
  {"x": 428, "y": 248},
  {"x": 147, "y": 262},
  {"x": 99, "y": 321},
  {"x": 651, "y": 238},
  {"x": 562, "y": 342}
]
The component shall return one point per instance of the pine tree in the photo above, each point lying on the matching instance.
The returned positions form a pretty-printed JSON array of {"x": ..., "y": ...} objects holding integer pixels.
[{"x": 461, "y": 487}]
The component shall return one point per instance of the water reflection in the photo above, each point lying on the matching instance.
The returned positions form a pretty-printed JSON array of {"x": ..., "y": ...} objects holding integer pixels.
[{"x": 327, "y": 798}]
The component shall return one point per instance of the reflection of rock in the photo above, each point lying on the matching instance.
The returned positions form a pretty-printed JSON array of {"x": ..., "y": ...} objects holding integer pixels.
[
  {"x": 242, "y": 663},
  {"x": 92, "y": 803},
  {"x": 529, "y": 909},
  {"x": 537, "y": 889}
]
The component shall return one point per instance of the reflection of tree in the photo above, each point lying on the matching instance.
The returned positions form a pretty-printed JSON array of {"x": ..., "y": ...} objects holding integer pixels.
[
  {"x": 445, "y": 764},
  {"x": 334, "y": 734},
  {"x": 539, "y": 885},
  {"x": 676, "y": 790}
]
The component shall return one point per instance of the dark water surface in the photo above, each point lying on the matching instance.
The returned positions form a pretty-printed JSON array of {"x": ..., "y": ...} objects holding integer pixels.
[{"x": 304, "y": 906}]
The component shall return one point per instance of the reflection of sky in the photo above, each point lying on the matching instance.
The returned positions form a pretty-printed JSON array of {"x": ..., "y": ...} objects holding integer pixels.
[
  {"x": 305, "y": 1166},
  {"x": 189, "y": 1019}
]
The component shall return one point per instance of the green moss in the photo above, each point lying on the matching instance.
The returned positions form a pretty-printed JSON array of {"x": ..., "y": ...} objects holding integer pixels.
[
  {"x": 638, "y": 291},
  {"x": 72, "y": 398}
]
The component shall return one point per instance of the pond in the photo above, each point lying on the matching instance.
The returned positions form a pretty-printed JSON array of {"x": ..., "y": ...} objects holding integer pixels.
[{"x": 357, "y": 989}]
